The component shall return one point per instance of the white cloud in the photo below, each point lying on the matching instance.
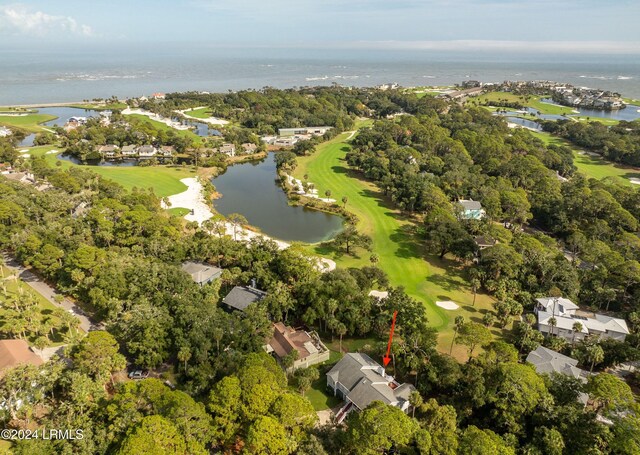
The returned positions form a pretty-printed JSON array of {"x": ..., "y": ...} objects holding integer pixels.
[{"x": 21, "y": 20}]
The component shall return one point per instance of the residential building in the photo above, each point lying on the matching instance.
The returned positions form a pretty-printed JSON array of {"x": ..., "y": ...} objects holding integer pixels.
[
  {"x": 108, "y": 151},
  {"x": 310, "y": 348},
  {"x": 558, "y": 316},
  {"x": 241, "y": 297},
  {"x": 167, "y": 150},
  {"x": 471, "y": 210},
  {"x": 201, "y": 273},
  {"x": 313, "y": 130},
  {"x": 249, "y": 148},
  {"x": 359, "y": 381},
  {"x": 484, "y": 241},
  {"x": 228, "y": 149},
  {"x": 147, "y": 151},
  {"x": 14, "y": 353},
  {"x": 285, "y": 141},
  {"x": 546, "y": 361},
  {"x": 129, "y": 150},
  {"x": 158, "y": 96}
]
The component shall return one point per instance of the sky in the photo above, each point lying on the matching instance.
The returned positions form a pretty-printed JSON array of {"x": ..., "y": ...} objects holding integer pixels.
[{"x": 543, "y": 26}]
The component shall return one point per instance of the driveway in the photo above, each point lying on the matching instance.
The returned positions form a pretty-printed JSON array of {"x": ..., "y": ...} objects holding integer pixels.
[{"x": 48, "y": 292}]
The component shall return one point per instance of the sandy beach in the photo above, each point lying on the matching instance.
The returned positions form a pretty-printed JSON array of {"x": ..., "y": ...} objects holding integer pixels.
[
  {"x": 157, "y": 118},
  {"x": 210, "y": 120}
]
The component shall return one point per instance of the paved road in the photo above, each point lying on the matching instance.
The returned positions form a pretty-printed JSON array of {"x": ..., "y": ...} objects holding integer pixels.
[{"x": 48, "y": 292}]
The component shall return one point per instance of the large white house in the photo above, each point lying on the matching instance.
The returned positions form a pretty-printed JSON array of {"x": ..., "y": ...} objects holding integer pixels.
[{"x": 559, "y": 316}]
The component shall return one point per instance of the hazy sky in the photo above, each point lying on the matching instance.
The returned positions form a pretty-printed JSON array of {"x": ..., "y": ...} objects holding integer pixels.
[{"x": 586, "y": 26}]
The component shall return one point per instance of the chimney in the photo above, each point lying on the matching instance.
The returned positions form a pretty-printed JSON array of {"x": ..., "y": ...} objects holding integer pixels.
[{"x": 253, "y": 283}]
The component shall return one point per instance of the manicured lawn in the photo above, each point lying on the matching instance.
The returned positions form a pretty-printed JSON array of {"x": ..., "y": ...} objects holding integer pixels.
[
  {"x": 30, "y": 122},
  {"x": 165, "y": 180},
  {"x": 534, "y": 102},
  {"x": 400, "y": 251},
  {"x": 178, "y": 211},
  {"x": 593, "y": 166},
  {"x": 100, "y": 107},
  {"x": 203, "y": 112},
  {"x": 161, "y": 126}
]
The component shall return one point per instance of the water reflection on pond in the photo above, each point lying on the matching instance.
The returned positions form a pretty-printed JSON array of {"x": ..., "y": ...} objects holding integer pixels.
[{"x": 251, "y": 190}]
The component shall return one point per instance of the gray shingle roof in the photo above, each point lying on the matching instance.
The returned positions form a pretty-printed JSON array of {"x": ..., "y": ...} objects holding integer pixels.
[
  {"x": 241, "y": 297},
  {"x": 201, "y": 273},
  {"x": 547, "y": 361},
  {"x": 366, "y": 381},
  {"x": 470, "y": 205}
]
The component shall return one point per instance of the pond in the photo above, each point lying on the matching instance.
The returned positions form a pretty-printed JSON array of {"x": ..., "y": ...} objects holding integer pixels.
[
  {"x": 251, "y": 190},
  {"x": 629, "y": 113},
  {"x": 526, "y": 123},
  {"x": 63, "y": 114},
  {"x": 28, "y": 140},
  {"x": 127, "y": 162}
]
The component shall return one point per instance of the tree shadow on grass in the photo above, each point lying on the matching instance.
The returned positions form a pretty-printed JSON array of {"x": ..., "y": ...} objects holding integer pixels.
[{"x": 445, "y": 282}]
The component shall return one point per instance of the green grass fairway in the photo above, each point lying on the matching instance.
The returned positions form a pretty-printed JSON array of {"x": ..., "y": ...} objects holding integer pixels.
[
  {"x": 165, "y": 180},
  {"x": 30, "y": 122},
  {"x": 534, "y": 102},
  {"x": 593, "y": 166},
  {"x": 178, "y": 211},
  {"x": 401, "y": 254},
  {"x": 162, "y": 126},
  {"x": 203, "y": 112},
  {"x": 101, "y": 107}
]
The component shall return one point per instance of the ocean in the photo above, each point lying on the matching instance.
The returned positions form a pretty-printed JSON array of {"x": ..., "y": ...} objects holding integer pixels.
[{"x": 62, "y": 75}]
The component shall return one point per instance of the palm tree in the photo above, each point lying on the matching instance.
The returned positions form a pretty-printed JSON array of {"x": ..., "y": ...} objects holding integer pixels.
[
  {"x": 552, "y": 323},
  {"x": 415, "y": 400},
  {"x": 595, "y": 354},
  {"x": 577, "y": 327},
  {"x": 457, "y": 325},
  {"x": 345, "y": 199}
]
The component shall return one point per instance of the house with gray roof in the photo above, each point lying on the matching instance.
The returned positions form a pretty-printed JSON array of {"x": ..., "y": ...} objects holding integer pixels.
[
  {"x": 359, "y": 381},
  {"x": 471, "y": 210},
  {"x": 241, "y": 297},
  {"x": 201, "y": 273},
  {"x": 546, "y": 361}
]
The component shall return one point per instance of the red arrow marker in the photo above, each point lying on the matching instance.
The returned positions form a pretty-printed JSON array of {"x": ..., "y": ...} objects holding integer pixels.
[{"x": 386, "y": 359}]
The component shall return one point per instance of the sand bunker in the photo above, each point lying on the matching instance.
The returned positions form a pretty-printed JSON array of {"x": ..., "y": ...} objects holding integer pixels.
[
  {"x": 634, "y": 180},
  {"x": 448, "y": 305}
]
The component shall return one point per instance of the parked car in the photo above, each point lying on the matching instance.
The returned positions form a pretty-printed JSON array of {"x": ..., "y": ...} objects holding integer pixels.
[
  {"x": 170, "y": 385},
  {"x": 138, "y": 374}
]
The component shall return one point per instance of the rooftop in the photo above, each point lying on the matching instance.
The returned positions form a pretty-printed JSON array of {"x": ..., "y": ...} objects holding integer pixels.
[
  {"x": 469, "y": 204},
  {"x": 241, "y": 297},
  {"x": 16, "y": 352},
  {"x": 367, "y": 381},
  {"x": 201, "y": 273},
  {"x": 547, "y": 361},
  {"x": 286, "y": 339}
]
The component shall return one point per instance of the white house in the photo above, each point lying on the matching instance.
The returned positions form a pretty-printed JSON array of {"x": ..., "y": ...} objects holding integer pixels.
[
  {"x": 567, "y": 315},
  {"x": 129, "y": 150},
  {"x": 471, "y": 210},
  {"x": 313, "y": 130},
  {"x": 228, "y": 149},
  {"x": 147, "y": 151}
]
